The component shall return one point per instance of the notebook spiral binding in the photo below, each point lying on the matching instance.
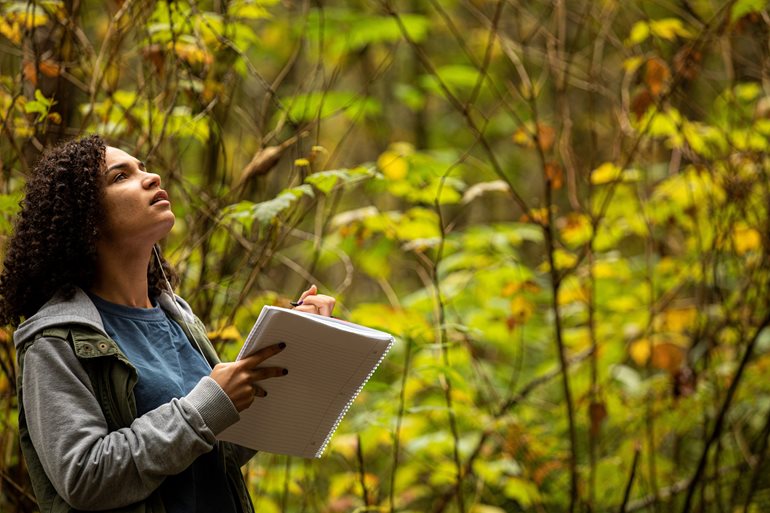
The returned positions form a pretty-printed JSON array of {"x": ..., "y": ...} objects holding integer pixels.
[{"x": 344, "y": 411}]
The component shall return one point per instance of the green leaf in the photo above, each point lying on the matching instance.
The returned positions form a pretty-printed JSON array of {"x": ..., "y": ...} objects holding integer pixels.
[
  {"x": 410, "y": 96},
  {"x": 350, "y": 31},
  {"x": 268, "y": 211},
  {"x": 743, "y": 7},
  {"x": 325, "y": 181},
  {"x": 247, "y": 10},
  {"x": 311, "y": 106},
  {"x": 457, "y": 78},
  {"x": 40, "y": 105},
  {"x": 523, "y": 491}
]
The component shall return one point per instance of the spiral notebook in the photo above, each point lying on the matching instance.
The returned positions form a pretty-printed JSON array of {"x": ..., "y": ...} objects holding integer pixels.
[{"x": 329, "y": 362}]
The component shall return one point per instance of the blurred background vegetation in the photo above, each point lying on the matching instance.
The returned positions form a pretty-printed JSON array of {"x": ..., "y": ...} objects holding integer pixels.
[{"x": 559, "y": 208}]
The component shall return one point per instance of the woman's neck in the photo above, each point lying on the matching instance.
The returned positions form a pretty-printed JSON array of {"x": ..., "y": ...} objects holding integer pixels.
[{"x": 121, "y": 275}]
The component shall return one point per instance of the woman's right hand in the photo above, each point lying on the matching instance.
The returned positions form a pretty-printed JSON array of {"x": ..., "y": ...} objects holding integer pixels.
[{"x": 240, "y": 379}]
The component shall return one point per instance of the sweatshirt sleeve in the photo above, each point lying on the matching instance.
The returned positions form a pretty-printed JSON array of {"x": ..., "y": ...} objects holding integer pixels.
[{"x": 93, "y": 468}]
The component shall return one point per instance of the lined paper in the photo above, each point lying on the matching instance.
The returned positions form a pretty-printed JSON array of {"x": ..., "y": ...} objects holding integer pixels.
[{"x": 329, "y": 362}]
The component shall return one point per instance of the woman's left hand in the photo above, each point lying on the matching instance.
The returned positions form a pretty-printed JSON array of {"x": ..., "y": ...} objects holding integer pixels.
[{"x": 313, "y": 302}]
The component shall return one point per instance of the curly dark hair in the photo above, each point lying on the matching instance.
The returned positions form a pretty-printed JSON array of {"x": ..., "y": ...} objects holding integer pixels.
[{"x": 53, "y": 247}]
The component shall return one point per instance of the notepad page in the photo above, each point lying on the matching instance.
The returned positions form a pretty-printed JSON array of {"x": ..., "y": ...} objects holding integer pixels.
[{"x": 327, "y": 367}]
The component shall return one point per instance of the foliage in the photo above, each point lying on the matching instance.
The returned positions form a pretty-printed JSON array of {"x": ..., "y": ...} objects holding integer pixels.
[{"x": 559, "y": 208}]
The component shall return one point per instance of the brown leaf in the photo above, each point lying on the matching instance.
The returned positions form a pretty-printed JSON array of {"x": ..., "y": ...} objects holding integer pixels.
[
  {"x": 555, "y": 174},
  {"x": 667, "y": 356},
  {"x": 641, "y": 103},
  {"x": 30, "y": 72},
  {"x": 597, "y": 412},
  {"x": 546, "y": 136},
  {"x": 154, "y": 53},
  {"x": 687, "y": 62},
  {"x": 543, "y": 471},
  {"x": 683, "y": 382},
  {"x": 50, "y": 68},
  {"x": 264, "y": 160},
  {"x": 656, "y": 75}
]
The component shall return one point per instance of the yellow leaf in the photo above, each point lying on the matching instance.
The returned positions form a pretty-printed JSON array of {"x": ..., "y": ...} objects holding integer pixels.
[
  {"x": 639, "y": 351},
  {"x": 563, "y": 259},
  {"x": 192, "y": 53},
  {"x": 484, "y": 508},
  {"x": 639, "y": 32},
  {"x": 522, "y": 137},
  {"x": 746, "y": 239},
  {"x": 521, "y": 309},
  {"x": 10, "y": 30},
  {"x": 225, "y": 333},
  {"x": 30, "y": 18},
  {"x": 344, "y": 444},
  {"x": 511, "y": 288},
  {"x": 576, "y": 229},
  {"x": 538, "y": 215},
  {"x": 614, "y": 268},
  {"x": 577, "y": 338},
  {"x": 23, "y": 131},
  {"x": 607, "y": 172},
  {"x": 678, "y": 320},
  {"x": 393, "y": 165},
  {"x": 622, "y": 304},
  {"x": 572, "y": 292},
  {"x": 632, "y": 63},
  {"x": 669, "y": 28}
]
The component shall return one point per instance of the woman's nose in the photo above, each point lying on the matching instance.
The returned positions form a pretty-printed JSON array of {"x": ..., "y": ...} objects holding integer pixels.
[{"x": 151, "y": 180}]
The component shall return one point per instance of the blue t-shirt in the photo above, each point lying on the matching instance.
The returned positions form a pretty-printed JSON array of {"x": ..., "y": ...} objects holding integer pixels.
[{"x": 169, "y": 367}]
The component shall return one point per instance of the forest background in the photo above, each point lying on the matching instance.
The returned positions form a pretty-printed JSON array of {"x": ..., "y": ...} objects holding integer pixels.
[{"x": 559, "y": 208}]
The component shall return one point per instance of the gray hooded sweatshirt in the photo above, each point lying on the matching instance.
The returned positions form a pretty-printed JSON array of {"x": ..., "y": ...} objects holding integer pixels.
[{"x": 89, "y": 466}]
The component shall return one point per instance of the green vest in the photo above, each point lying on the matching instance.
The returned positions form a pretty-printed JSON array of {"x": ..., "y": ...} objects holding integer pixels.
[{"x": 113, "y": 378}]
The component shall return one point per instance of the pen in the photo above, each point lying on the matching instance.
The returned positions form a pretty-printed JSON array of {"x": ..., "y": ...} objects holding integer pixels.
[{"x": 295, "y": 303}]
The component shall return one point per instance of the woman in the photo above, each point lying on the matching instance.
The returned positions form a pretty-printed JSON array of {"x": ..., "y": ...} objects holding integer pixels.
[{"x": 121, "y": 394}]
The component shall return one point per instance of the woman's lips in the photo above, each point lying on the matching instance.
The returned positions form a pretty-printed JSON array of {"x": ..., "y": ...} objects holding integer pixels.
[{"x": 160, "y": 196}]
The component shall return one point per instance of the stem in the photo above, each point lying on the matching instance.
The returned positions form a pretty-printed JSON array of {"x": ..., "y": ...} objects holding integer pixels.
[
  {"x": 446, "y": 381},
  {"x": 631, "y": 477},
  {"x": 361, "y": 471},
  {"x": 717, "y": 429},
  {"x": 286, "y": 479},
  {"x": 564, "y": 364},
  {"x": 399, "y": 420},
  {"x": 758, "y": 464}
]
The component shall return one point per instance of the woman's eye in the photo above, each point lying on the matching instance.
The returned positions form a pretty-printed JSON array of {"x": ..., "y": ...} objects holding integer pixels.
[{"x": 119, "y": 177}]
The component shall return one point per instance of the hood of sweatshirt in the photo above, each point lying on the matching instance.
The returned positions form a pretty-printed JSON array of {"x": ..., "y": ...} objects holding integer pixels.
[{"x": 80, "y": 310}]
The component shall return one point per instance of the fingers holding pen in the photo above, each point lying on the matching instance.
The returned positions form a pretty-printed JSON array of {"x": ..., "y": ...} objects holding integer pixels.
[
  {"x": 320, "y": 304},
  {"x": 313, "y": 302}
]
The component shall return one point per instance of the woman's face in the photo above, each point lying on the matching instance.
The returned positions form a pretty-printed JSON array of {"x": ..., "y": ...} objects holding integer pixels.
[{"x": 136, "y": 210}]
